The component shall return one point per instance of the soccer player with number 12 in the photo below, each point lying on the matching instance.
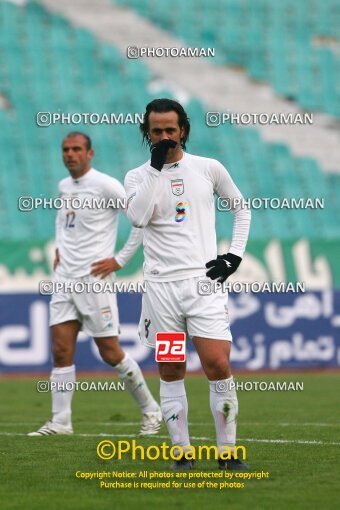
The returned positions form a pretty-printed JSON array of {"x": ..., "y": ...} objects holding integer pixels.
[{"x": 85, "y": 245}]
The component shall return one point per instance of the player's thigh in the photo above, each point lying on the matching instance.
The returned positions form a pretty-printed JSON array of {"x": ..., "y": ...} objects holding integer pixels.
[
  {"x": 208, "y": 325},
  {"x": 161, "y": 311},
  {"x": 207, "y": 315},
  {"x": 110, "y": 349},
  {"x": 62, "y": 307},
  {"x": 99, "y": 309},
  {"x": 214, "y": 356},
  {"x": 64, "y": 338}
]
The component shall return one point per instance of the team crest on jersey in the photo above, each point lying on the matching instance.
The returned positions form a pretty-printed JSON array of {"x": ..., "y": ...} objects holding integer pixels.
[{"x": 177, "y": 187}]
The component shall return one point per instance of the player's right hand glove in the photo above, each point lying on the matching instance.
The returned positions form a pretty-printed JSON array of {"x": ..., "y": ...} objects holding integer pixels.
[
  {"x": 159, "y": 151},
  {"x": 223, "y": 267}
]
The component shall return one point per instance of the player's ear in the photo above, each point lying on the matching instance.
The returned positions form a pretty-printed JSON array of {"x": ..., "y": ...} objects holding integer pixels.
[
  {"x": 90, "y": 153},
  {"x": 182, "y": 133}
]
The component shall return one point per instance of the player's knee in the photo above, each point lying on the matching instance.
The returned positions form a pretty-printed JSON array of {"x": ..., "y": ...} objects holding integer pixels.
[
  {"x": 171, "y": 371},
  {"x": 217, "y": 368},
  {"x": 62, "y": 353},
  {"x": 110, "y": 355},
  {"x": 110, "y": 358}
]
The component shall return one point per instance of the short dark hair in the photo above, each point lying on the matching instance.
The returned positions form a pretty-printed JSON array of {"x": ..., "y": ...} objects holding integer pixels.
[
  {"x": 80, "y": 133},
  {"x": 162, "y": 106}
]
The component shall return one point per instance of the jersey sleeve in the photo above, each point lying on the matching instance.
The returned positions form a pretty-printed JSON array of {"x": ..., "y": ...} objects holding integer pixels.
[
  {"x": 130, "y": 247},
  {"x": 141, "y": 196},
  {"x": 225, "y": 187},
  {"x": 113, "y": 189}
]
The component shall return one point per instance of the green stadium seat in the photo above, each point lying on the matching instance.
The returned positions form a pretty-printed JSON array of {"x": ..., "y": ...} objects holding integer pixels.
[
  {"x": 56, "y": 77},
  {"x": 270, "y": 40}
]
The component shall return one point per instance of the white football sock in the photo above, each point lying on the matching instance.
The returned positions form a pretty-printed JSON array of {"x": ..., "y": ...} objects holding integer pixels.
[
  {"x": 174, "y": 406},
  {"x": 224, "y": 408},
  {"x": 62, "y": 397},
  {"x": 131, "y": 374}
]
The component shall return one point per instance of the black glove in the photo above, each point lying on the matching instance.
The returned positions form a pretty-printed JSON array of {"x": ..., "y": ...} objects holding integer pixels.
[
  {"x": 223, "y": 267},
  {"x": 159, "y": 152}
]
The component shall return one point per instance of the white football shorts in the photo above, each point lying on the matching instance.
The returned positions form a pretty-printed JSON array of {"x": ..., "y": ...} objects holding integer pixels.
[
  {"x": 80, "y": 299},
  {"x": 184, "y": 306}
]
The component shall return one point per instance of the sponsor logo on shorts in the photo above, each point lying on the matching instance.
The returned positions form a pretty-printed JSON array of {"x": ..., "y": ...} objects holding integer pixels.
[
  {"x": 170, "y": 346},
  {"x": 181, "y": 209},
  {"x": 177, "y": 186},
  {"x": 106, "y": 313}
]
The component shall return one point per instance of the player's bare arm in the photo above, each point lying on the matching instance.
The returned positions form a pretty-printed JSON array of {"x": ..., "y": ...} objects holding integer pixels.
[
  {"x": 56, "y": 260},
  {"x": 104, "y": 267}
]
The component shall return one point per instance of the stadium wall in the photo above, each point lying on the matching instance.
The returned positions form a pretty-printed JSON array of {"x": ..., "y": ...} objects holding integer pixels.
[{"x": 270, "y": 331}]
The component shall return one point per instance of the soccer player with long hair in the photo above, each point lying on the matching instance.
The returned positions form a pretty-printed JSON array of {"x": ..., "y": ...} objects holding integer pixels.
[{"x": 171, "y": 197}]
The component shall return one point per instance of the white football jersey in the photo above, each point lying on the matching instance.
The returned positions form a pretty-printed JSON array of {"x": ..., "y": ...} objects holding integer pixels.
[
  {"x": 88, "y": 233},
  {"x": 176, "y": 208}
]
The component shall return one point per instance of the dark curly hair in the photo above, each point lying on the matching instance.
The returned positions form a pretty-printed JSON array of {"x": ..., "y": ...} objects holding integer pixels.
[{"x": 162, "y": 106}]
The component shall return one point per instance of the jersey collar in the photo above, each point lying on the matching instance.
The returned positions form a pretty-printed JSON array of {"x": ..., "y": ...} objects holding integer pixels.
[
  {"x": 83, "y": 177},
  {"x": 177, "y": 165}
]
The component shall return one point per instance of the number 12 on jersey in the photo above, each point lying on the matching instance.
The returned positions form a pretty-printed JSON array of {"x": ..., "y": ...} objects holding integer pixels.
[{"x": 70, "y": 217}]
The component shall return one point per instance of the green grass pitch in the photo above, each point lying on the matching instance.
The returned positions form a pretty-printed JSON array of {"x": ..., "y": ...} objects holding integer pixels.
[{"x": 295, "y": 436}]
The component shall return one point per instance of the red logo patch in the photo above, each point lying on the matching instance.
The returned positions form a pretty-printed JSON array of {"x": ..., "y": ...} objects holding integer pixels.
[{"x": 170, "y": 346}]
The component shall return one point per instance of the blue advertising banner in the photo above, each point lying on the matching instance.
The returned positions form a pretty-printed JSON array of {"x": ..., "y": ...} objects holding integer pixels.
[{"x": 270, "y": 331}]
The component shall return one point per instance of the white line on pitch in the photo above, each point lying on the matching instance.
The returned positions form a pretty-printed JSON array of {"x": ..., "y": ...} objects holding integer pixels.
[
  {"x": 251, "y": 440},
  {"x": 192, "y": 424},
  {"x": 309, "y": 424},
  {"x": 293, "y": 441}
]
